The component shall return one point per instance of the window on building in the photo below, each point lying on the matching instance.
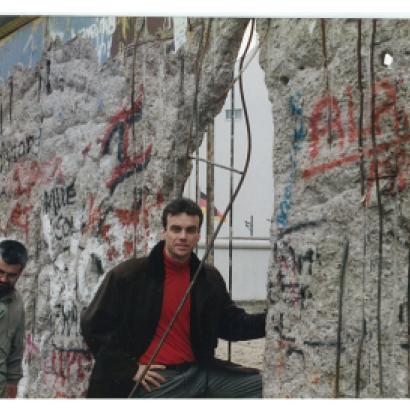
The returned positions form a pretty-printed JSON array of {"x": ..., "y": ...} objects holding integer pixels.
[{"x": 237, "y": 114}]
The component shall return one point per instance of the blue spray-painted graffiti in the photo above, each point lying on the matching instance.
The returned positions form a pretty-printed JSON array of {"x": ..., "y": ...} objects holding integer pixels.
[
  {"x": 98, "y": 30},
  {"x": 299, "y": 134},
  {"x": 26, "y": 45}
]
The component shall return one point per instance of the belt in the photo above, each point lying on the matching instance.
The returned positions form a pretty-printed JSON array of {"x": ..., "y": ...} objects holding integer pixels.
[{"x": 179, "y": 367}]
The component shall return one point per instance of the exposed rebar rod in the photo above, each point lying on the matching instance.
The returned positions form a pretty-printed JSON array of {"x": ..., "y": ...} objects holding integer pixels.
[
  {"x": 251, "y": 57},
  {"x": 379, "y": 204},
  {"x": 218, "y": 228},
  {"x": 197, "y": 190},
  {"x": 198, "y": 65},
  {"x": 132, "y": 96},
  {"x": 361, "y": 106},
  {"x": 131, "y": 46},
  {"x": 327, "y": 85},
  {"x": 39, "y": 85},
  {"x": 231, "y": 164},
  {"x": 11, "y": 98},
  {"x": 210, "y": 216},
  {"x": 362, "y": 192},
  {"x": 216, "y": 165},
  {"x": 340, "y": 315}
]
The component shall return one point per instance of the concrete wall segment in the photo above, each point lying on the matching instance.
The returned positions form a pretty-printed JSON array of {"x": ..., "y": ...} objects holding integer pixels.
[
  {"x": 319, "y": 205},
  {"x": 84, "y": 176}
]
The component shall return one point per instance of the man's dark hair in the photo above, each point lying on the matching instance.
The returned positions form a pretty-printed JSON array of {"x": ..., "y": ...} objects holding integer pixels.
[
  {"x": 179, "y": 206},
  {"x": 13, "y": 253}
]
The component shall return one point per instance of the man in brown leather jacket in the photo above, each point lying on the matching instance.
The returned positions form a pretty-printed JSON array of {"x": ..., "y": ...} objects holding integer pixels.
[{"x": 134, "y": 304}]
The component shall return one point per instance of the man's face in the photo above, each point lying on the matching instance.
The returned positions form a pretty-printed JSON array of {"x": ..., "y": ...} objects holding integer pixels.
[
  {"x": 181, "y": 236},
  {"x": 9, "y": 275}
]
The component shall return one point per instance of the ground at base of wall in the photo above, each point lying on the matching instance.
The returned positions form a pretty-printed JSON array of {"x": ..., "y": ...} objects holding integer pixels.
[{"x": 247, "y": 353}]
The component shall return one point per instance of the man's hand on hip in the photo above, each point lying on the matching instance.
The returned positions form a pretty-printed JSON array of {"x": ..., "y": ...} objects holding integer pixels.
[{"x": 151, "y": 378}]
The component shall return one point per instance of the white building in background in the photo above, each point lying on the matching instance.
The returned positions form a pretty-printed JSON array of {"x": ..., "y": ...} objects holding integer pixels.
[{"x": 253, "y": 207}]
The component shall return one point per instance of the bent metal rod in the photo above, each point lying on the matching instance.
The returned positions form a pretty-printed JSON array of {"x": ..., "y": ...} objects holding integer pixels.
[{"x": 211, "y": 243}]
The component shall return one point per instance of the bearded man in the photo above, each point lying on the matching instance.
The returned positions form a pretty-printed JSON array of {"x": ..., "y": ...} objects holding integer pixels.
[{"x": 13, "y": 259}]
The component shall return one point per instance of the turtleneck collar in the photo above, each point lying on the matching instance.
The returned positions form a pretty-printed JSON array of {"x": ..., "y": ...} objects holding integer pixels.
[{"x": 173, "y": 264}]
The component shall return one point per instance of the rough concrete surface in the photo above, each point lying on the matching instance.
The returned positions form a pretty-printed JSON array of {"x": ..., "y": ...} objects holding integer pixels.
[
  {"x": 338, "y": 298},
  {"x": 90, "y": 151},
  {"x": 89, "y": 154}
]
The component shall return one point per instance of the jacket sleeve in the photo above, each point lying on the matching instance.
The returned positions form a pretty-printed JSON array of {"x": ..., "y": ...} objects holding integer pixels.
[
  {"x": 100, "y": 320},
  {"x": 15, "y": 357},
  {"x": 234, "y": 323}
]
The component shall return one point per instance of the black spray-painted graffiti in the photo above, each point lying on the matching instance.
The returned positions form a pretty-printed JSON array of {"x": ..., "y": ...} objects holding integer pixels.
[
  {"x": 11, "y": 153},
  {"x": 291, "y": 268},
  {"x": 66, "y": 326},
  {"x": 58, "y": 197},
  {"x": 54, "y": 202},
  {"x": 68, "y": 318},
  {"x": 63, "y": 227}
]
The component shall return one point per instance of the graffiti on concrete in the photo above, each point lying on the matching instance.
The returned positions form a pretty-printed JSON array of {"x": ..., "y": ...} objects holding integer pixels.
[
  {"x": 63, "y": 366},
  {"x": 299, "y": 134},
  {"x": 294, "y": 273},
  {"x": 391, "y": 130},
  {"x": 26, "y": 175},
  {"x": 119, "y": 128},
  {"x": 10, "y": 153},
  {"x": 58, "y": 197},
  {"x": 19, "y": 218},
  {"x": 102, "y": 218}
]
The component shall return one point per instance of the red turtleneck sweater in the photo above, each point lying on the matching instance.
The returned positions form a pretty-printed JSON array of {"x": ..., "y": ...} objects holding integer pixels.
[{"x": 177, "y": 346}]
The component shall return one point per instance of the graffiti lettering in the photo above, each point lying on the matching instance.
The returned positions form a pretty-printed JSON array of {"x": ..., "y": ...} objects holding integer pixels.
[
  {"x": 391, "y": 123},
  {"x": 94, "y": 215},
  {"x": 66, "y": 326},
  {"x": 63, "y": 227},
  {"x": 395, "y": 169},
  {"x": 320, "y": 111},
  {"x": 20, "y": 218},
  {"x": 279, "y": 329},
  {"x": 119, "y": 126},
  {"x": 292, "y": 268},
  {"x": 26, "y": 175},
  {"x": 385, "y": 113},
  {"x": 66, "y": 364},
  {"x": 58, "y": 197},
  {"x": 304, "y": 263},
  {"x": 12, "y": 153},
  {"x": 69, "y": 318},
  {"x": 98, "y": 220}
]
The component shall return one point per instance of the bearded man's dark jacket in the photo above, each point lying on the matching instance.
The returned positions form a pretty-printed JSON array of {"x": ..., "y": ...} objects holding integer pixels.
[{"x": 121, "y": 320}]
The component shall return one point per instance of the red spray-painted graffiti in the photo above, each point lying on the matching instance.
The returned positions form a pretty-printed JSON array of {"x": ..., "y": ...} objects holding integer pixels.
[
  {"x": 26, "y": 175},
  {"x": 93, "y": 215},
  {"x": 20, "y": 218},
  {"x": 20, "y": 182},
  {"x": 390, "y": 124},
  {"x": 63, "y": 366},
  {"x": 119, "y": 125},
  {"x": 31, "y": 348},
  {"x": 140, "y": 212}
]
